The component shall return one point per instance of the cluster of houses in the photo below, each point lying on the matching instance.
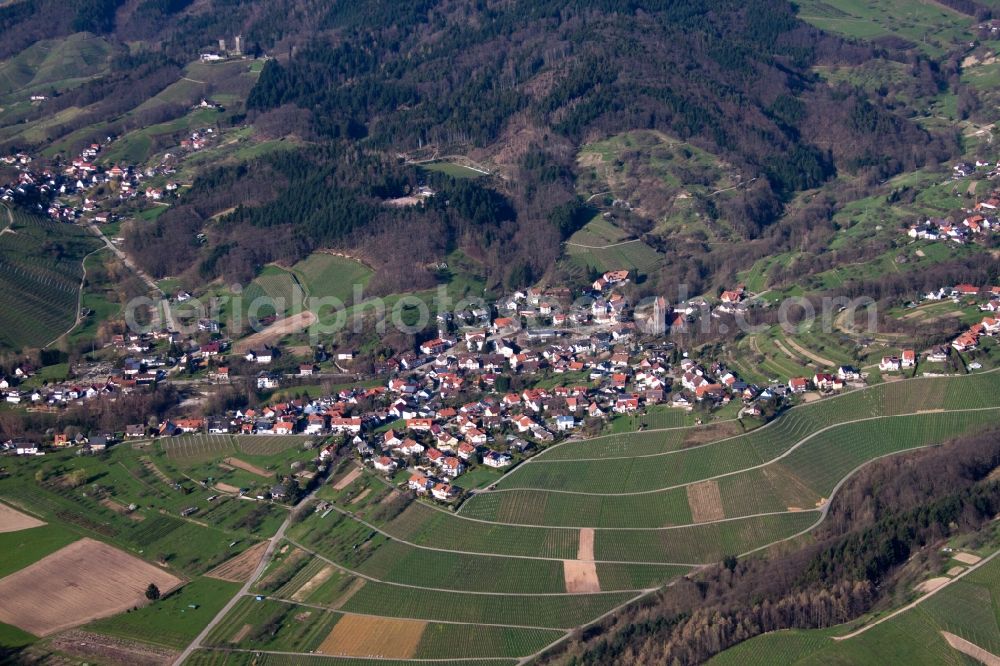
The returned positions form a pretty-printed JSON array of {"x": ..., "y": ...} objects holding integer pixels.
[
  {"x": 68, "y": 193},
  {"x": 968, "y": 340},
  {"x": 978, "y": 222}
]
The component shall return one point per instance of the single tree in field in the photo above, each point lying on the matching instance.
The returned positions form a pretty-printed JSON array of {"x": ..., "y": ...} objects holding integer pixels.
[{"x": 152, "y": 592}]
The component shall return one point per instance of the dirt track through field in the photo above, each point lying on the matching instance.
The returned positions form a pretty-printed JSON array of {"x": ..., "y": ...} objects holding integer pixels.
[
  {"x": 585, "y": 549},
  {"x": 237, "y": 569},
  {"x": 84, "y": 581},
  {"x": 273, "y": 333},
  {"x": 348, "y": 479},
  {"x": 12, "y": 520},
  {"x": 151, "y": 466},
  {"x": 971, "y": 649},
  {"x": 364, "y": 494},
  {"x": 242, "y": 633},
  {"x": 350, "y": 592},
  {"x": 362, "y": 636},
  {"x": 310, "y": 585},
  {"x": 247, "y": 467},
  {"x": 786, "y": 351},
  {"x": 581, "y": 577},
  {"x": 808, "y": 354},
  {"x": 705, "y": 502}
]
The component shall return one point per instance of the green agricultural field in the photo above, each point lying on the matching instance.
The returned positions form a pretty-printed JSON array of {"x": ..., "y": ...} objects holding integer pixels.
[
  {"x": 174, "y": 620},
  {"x": 453, "y": 170},
  {"x": 268, "y": 445},
  {"x": 302, "y": 629},
  {"x": 221, "y": 657},
  {"x": 931, "y": 26},
  {"x": 279, "y": 285},
  {"x": 98, "y": 509},
  {"x": 40, "y": 290},
  {"x": 327, "y": 275},
  {"x": 12, "y": 637},
  {"x": 557, "y": 611},
  {"x": 640, "y": 443},
  {"x": 601, "y": 246},
  {"x": 967, "y": 608},
  {"x": 24, "y": 547},
  {"x": 697, "y": 544}
]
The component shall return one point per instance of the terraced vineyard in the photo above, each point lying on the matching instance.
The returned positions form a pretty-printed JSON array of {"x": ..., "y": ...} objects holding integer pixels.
[
  {"x": 570, "y": 535},
  {"x": 41, "y": 266}
]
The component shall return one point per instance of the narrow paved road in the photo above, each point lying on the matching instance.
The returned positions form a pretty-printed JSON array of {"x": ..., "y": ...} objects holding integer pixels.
[
  {"x": 245, "y": 590},
  {"x": 164, "y": 304}
]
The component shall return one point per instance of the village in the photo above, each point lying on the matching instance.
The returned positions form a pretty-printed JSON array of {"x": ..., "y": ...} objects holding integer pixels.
[{"x": 483, "y": 395}]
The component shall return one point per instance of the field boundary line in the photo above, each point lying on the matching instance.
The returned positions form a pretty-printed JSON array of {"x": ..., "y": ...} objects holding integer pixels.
[
  {"x": 783, "y": 455},
  {"x": 603, "y": 247},
  {"x": 374, "y": 528},
  {"x": 540, "y": 458},
  {"x": 484, "y": 594},
  {"x": 416, "y": 619},
  {"x": 334, "y": 657},
  {"x": 532, "y": 657}
]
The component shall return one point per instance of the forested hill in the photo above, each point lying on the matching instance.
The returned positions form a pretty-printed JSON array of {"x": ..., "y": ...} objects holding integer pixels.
[
  {"x": 732, "y": 74},
  {"x": 519, "y": 83}
]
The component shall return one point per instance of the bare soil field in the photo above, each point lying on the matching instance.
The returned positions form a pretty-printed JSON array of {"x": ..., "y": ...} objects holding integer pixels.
[
  {"x": 247, "y": 467},
  {"x": 12, "y": 520},
  {"x": 98, "y": 649},
  {"x": 705, "y": 502},
  {"x": 226, "y": 488},
  {"x": 347, "y": 479},
  {"x": 238, "y": 569},
  {"x": 581, "y": 577},
  {"x": 273, "y": 333},
  {"x": 321, "y": 577},
  {"x": 966, "y": 558},
  {"x": 931, "y": 584},
  {"x": 971, "y": 649},
  {"x": 84, "y": 581},
  {"x": 360, "y": 636},
  {"x": 954, "y": 571}
]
